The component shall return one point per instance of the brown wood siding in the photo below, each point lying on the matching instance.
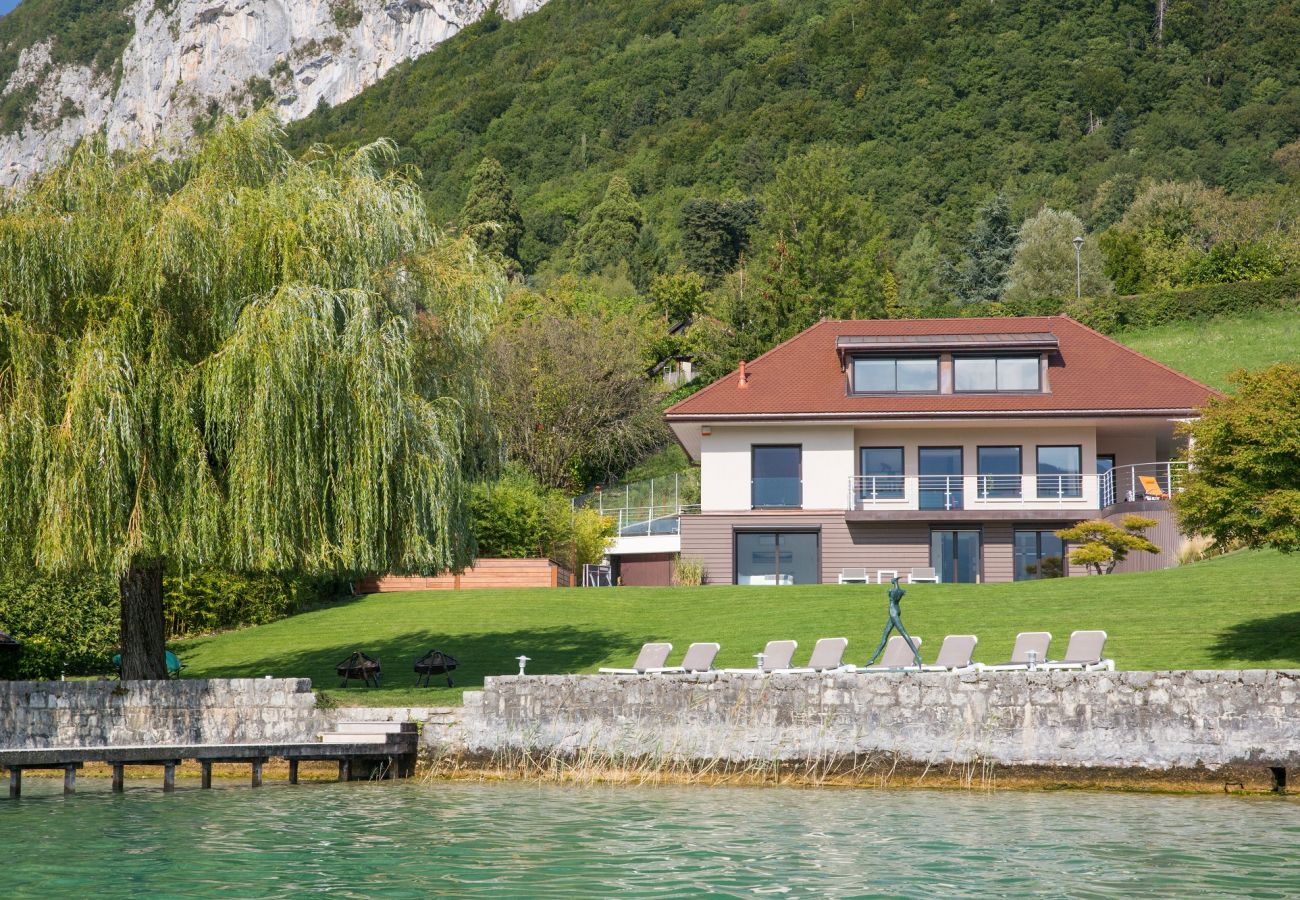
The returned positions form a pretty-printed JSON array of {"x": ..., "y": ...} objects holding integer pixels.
[
  {"x": 486, "y": 573},
  {"x": 1165, "y": 535},
  {"x": 646, "y": 569}
]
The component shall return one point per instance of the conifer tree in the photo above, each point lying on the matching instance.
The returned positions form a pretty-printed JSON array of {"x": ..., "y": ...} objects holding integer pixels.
[
  {"x": 216, "y": 361},
  {"x": 490, "y": 214},
  {"x": 920, "y": 271},
  {"x": 981, "y": 273},
  {"x": 610, "y": 233}
]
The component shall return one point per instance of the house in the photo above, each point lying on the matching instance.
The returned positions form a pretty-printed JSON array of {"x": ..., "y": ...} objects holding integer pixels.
[{"x": 957, "y": 444}]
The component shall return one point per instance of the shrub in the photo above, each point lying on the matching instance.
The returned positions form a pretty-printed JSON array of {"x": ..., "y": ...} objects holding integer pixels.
[
  {"x": 66, "y": 625},
  {"x": 1102, "y": 545},
  {"x": 204, "y": 601},
  {"x": 688, "y": 572},
  {"x": 516, "y": 517}
]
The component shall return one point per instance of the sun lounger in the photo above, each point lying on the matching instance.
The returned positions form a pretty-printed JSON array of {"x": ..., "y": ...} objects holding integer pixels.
[
  {"x": 827, "y": 656},
  {"x": 652, "y": 656},
  {"x": 698, "y": 658},
  {"x": 1151, "y": 488},
  {"x": 955, "y": 654},
  {"x": 897, "y": 656},
  {"x": 1027, "y": 642},
  {"x": 920, "y": 574},
  {"x": 776, "y": 655},
  {"x": 1084, "y": 652}
]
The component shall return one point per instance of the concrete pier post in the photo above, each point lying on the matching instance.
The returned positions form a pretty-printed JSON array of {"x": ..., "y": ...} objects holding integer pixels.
[
  {"x": 69, "y": 779},
  {"x": 118, "y": 778},
  {"x": 293, "y": 771},
  {"x": 15, "y": 781},
  {"x": 257, "y": 773},
  {"x": 169, "y": 777},
  {"x": 205, "y": 776}
]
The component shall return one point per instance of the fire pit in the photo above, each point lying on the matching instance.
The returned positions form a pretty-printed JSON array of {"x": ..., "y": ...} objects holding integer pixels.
[
  {"x": 435, "y": 662},
  {"x": 361, "y": 666}
]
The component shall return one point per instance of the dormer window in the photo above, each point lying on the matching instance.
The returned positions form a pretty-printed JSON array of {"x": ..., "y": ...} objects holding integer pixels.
[
  {"x": 990, "y": 374},
  {"x": 895, "y": 374}
]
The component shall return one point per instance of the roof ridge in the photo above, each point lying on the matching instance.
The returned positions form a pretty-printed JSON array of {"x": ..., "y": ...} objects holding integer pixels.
[
  {"x": 1140, "y": 355},
  {"x": 749, "y": 363}
]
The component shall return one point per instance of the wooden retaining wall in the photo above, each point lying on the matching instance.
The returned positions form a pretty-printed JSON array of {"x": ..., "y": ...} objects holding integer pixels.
[{"x": 486, "y": 573}]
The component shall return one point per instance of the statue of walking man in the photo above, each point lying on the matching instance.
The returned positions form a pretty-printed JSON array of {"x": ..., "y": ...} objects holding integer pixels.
[{"x": 896, "y": 621}]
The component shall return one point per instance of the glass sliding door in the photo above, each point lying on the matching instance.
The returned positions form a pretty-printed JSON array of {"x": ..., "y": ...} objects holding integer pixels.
[
  {"x": 955, "y": 555},
  {"x": 1039, "y": 554},
  {"x": 940, "y": 477},
  {"x": 1060, "y": 471},
  {"x": 999, "y": 471},
  {"x": 776, "y": 557}
]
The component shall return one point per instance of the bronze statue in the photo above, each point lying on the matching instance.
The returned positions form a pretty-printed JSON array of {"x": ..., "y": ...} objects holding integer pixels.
[{"x": 896, "y": 621}]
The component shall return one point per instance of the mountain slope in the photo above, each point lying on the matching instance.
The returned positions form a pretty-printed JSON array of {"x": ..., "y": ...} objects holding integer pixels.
[
  {"x": 152, "y": 70},
  {"x": 941, "y": 102}
]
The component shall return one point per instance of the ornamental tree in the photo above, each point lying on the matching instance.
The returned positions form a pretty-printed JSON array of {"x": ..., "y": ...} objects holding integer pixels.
[
  {"x": 1243, "y": 481},
  {"x": 1102, "y": 545},
  {"x": 491, "y": 213},
  {"x": 213, "y": 360}
]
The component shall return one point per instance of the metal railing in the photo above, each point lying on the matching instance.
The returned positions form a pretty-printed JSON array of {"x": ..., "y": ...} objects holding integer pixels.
[
  {"x": 680, "y": 489},
  {"x": 955, "y": 491},
  {"x": 1142, "y": 481},
  {"x": 642, "y": 521}
]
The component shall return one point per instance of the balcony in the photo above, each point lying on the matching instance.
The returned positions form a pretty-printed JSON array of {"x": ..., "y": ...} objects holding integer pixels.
[{"x": 1025, "y": 495}]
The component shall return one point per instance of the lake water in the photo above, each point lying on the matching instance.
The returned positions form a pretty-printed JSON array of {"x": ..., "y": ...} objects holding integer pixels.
[{"x": 517, "y": 840}]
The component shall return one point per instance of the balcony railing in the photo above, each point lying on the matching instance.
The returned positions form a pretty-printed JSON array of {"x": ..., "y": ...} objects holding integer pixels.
[
  {"x": 1143, "y": 481},
  {"x": 1023, "y": 491},
  {"x": 642, "y": 521}
]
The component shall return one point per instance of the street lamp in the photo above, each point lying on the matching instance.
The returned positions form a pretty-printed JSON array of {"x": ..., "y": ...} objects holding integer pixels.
[{"x": 1078, "y": 266}]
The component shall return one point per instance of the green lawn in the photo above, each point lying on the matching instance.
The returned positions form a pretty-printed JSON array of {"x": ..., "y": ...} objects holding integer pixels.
[
  {"x": 1209, "y": 351},
  {"x": 1241, "y": 610}
]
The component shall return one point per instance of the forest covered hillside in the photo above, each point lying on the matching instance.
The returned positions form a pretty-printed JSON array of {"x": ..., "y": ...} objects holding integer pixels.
[{"x": 939, "y": 104}]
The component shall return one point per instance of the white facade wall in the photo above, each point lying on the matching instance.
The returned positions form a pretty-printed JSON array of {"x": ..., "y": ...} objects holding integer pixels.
[{"x": 725, "y": 457}]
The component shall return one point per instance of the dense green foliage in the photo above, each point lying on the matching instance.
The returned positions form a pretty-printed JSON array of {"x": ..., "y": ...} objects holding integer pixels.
[
  {"x": 1243, "y": 483},
  {"x": 940, "y": 103},
  {"x": 516, "y": 517},
  {"x": 89, "y": 32},
  {"x": 1190, "y": 617},
  {"x": 490, "y": 214},
  {"x": 1113, "y": 313}
]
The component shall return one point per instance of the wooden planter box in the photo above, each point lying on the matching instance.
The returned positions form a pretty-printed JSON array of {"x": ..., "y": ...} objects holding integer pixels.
[{"x": 485, "y": 573}]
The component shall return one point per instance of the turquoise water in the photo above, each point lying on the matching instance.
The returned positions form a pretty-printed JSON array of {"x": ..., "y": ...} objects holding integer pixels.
[{"x": 512, "y": 840}]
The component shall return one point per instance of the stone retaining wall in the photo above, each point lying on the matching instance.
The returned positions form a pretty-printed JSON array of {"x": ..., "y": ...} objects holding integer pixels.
[
  {"x": 1134, "y": 720},
  {"x": 37, "y": 714}
]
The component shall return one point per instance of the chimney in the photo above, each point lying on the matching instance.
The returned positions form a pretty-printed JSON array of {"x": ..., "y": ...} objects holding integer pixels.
[{"x": 744, "y": 376}]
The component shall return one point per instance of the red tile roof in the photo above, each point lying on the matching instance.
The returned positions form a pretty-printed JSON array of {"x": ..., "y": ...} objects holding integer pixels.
[{"x": 1089, "y": 375}]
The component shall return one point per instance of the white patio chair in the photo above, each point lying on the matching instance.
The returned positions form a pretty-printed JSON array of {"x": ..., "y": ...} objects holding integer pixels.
[
  {"x": 854, "y": 576},
  {"x": 923, "y": 574}
]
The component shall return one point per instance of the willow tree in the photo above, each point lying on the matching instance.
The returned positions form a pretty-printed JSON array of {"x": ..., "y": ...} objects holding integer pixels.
[{"x": 236, "y": 359}]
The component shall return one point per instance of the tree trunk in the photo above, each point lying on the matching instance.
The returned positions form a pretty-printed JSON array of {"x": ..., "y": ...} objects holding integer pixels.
[{"x": 143, "y": 637}]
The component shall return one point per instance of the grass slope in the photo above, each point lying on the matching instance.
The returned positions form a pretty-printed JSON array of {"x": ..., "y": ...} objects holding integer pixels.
[
  {"x": 1210, "y": 351},
  {"x": 1241, "y": 610}
]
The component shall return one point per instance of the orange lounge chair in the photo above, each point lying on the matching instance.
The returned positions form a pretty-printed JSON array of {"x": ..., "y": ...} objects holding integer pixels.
[{"x": 1151, "y": 488}]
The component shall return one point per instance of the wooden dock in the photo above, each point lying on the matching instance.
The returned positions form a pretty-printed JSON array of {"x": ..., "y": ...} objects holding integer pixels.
[{"x": 362, "y": 751}]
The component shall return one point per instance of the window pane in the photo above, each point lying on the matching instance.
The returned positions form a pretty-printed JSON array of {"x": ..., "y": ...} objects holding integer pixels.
[
  {"x": 1059, "y": 471},
  {"x": 882, "y": 470},
  {"x": 1000, "y": 471},
  {"x": 755, "y": 558},
  {"x": 1038, "y": 554},
  {"x": 776, "y": 476},
  {"x": 940, "y": 477},
  {"x": 798, "y": 560},
  {"x": 873, "y": 375},
  {"x": 1018, "y": 374},
  {"x": 975, "y": 374},
  {"x": 918, "y": 374},
  {"x": 1026, "y": 555}
]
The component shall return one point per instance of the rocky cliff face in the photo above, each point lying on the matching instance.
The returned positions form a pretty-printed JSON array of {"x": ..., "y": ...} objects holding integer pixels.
[{"x": 189, "y": 60}]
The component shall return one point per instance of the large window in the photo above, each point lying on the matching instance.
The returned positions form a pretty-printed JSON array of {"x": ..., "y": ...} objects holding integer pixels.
[
  {"x": 776, "y": 557},
  {"x": 940, "y": 477},
  {"x": 990, "y": 373},
  {"x": 902, "y": 374},
  {"x": 882, "y": 473},
  {"x": 999, "y": 471},
  {"x": 1039, "y": 554},
  {"x": 777, "y": 476},
  {"x": 1060, "y": 471}
]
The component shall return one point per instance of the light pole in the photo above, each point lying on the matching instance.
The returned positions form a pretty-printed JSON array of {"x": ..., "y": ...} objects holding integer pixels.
[{"x": 1078, "y": 267}]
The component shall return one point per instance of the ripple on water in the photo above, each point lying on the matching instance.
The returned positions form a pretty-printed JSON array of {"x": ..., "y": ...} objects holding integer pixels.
[{"x": 516, "y": 840}]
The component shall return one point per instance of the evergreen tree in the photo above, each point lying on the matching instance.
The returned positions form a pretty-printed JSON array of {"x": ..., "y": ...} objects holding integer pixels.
[
  {"x": 715, "y": 233},
  {"x": 987, "y": 251},
  {"x": 611, "y": 231},
  {"x": 490, "y": 214},
  {"x": 919, "y": 272},
  {"x": 1044, "y": 264},
  {"x": 215, "y": 361}
]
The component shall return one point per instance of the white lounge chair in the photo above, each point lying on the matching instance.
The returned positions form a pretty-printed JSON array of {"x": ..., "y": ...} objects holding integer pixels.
[
  {"x": 955, "y": 654},
  {"x": 652, "y": 656},
  {"x": 1027, "y": 643},
  {"x": 698, "y": 658},
  {"x": 776, "y": 655},
  {"x": 1085, "y": 651},
  {"x": 897, "y": 657},
  {"x": 827, "y": 656},
  {"x": 923, "y": 573},
  {"x": 854, "y": 576}
]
